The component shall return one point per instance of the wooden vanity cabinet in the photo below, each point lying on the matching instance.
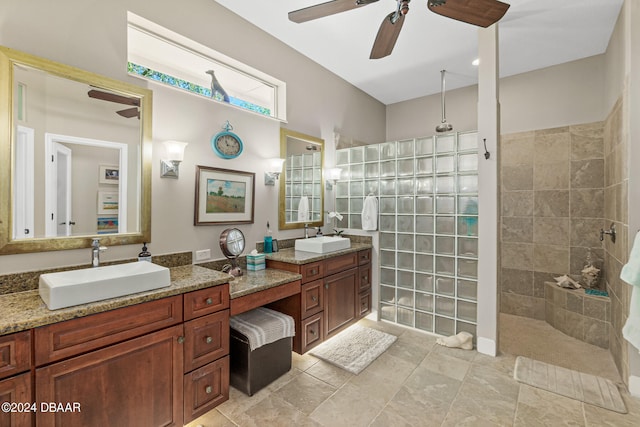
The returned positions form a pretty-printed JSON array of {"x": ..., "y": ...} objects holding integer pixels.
[
  {"x": 15, "y": 378},
  {"x": 160, "y": 363},
  {"x": 330, "y": 298},
  {"x": 139, "y": 379}
]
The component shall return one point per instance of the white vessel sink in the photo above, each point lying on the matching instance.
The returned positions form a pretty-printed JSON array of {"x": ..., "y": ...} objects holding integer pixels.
[
  {"x": 68, "y": 288},
  {"x": 323, "y": 245}
]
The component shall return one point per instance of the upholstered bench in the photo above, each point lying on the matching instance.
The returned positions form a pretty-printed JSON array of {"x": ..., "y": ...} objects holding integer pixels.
[{"x": 260, "y": 348}]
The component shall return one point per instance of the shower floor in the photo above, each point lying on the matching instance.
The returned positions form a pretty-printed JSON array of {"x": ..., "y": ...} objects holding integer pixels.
[{"x": 536, "y": 339}]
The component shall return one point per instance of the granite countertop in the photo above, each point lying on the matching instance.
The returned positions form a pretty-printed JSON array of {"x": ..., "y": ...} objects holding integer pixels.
[
  {"x": 256, "y": 281},
  {"x": 291, "y": 256},
  {"x": 25, "y": 310}
]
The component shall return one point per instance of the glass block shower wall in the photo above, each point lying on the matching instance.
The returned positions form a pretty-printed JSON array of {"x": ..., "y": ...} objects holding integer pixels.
[{"x": 427, "y": 190}]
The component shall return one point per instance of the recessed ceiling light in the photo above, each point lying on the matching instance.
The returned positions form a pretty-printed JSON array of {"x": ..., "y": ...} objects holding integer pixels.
[{"x": 476, "y": 62}]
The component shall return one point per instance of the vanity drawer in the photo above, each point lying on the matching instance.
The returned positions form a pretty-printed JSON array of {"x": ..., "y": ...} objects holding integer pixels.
[
  {"x": 312, "y": 299},
  {"x": 364, "y": 256},
  {"x": 365, "y": 303},
  {"x": 206, "y": 388},
  {"x": 312, "y": 271},
  {"x": 73, "y": 337},
  {"x": 364, "y": 277},
  {"x": 341, "y": 263},
  {"x": 15, "y": 353},
  {"x": 312, "y": 331},
  {"x": 206, "y": 339},
  {"x": 206, "y": 301}
]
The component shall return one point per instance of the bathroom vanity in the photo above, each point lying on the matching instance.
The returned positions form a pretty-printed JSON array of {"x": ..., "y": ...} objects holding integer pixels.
[
  {"x": 163, "y": 355},
  {"x": 335, "y": 292},
  {"x": 157, "y": 356}
]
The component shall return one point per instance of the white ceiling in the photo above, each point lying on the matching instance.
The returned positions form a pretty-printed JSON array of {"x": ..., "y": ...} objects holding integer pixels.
[{"x": 533, "y": 34}]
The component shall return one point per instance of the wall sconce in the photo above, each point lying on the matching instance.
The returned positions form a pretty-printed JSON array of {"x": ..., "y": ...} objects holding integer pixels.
[
  {"x": 332, "y": 175},
  {"x": 170, "y": 166},
  {"x": 274, "y": 169}
]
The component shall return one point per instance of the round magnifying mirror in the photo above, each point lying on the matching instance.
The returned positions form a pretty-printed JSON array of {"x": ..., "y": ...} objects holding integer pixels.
[{"x": 232, "y": 245}]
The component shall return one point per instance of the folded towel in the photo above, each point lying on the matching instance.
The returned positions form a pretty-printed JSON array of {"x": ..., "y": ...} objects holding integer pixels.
[
  {"x": 631, "y": 274},
  {"x": 303, "y": 209},
  {"x": 370, "y": 213},
  {"x": 263, "y": 326},
  {"x": 631, "y": 271}
]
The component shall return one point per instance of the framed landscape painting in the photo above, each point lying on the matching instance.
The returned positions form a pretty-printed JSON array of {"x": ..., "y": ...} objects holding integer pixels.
[{"x": 223, "y": 196}]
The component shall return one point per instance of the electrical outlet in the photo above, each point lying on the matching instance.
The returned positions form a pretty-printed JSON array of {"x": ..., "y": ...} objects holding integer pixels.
[{"x": 203, "y": 254}]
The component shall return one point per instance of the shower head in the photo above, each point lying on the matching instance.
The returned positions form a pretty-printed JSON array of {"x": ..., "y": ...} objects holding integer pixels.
[{"x": 443, "y": 126}]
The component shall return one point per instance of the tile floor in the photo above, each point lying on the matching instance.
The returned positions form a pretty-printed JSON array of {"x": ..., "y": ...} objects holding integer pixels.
[{"x": 419, "y": 383}]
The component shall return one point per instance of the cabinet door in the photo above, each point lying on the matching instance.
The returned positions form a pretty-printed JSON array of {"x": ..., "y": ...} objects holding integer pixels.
[
  {"x": 205, "y": 388},
  {"x": 340, "y": 292},
  {"x": 134, "y": 383},
  {"x": 15, "y": 354},
  {"x": 16, "y": 390}
]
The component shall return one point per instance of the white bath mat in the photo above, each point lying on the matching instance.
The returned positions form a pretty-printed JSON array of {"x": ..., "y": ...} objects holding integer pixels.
[
  {"x": 576, "y": 385},
  {"x": 354, "y": 348}
]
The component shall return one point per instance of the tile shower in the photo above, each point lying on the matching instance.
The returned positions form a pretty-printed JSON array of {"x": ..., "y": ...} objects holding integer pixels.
[{"x": 427, "y": 190}]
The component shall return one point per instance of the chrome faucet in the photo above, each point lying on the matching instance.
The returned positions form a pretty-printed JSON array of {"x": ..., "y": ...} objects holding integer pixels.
[
  {"x": 306, "y": 231},
  {"x": 95, "y": 252}
]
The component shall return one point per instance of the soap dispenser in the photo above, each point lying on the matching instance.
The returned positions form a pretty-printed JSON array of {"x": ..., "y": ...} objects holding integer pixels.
[
  {"x": 268, "y": 241},
  {"x": 145, "y": 255}
]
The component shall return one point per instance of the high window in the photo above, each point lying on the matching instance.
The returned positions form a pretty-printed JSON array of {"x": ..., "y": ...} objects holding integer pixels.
[{"x": 158, "y": 54}]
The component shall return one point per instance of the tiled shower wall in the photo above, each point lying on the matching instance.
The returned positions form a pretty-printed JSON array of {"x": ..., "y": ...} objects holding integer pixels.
[
  {"x": 616, "y": 208},
  {"x": 552, "y": 192}
]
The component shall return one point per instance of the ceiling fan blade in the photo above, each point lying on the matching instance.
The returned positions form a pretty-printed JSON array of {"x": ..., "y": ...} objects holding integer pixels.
[
  {"x": 475, "y": 12},
  {"x": 325, "y": 9},
  {"x": 112, "y": 97},
  {"x": 387, "y": 36},
  {"x": 129, "y": 113}
]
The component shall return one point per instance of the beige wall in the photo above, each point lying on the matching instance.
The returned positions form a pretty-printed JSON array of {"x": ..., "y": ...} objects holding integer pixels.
[
  {"x": 91, "y": 35},
  {"x": 561, "y": 95}
]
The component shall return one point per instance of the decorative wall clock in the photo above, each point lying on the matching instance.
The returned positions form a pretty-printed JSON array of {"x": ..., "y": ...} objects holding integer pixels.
[{"x": 227, "y": 144}]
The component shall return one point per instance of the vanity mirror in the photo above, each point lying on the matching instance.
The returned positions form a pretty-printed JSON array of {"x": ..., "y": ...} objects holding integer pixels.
[
  {"x": 301, "y": 191},
  {"x": 75, "y": 157}
]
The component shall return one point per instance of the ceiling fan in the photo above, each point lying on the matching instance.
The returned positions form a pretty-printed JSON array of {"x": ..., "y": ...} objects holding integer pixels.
[
  {"x": 120, "y": 99},
  {"x": 481, "y": 13}
]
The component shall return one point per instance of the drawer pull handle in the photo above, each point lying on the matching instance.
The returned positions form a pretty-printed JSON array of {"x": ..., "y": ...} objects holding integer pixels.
[
  {"x": 208, "y": 340},
  {"x": 326, "y": 286},
  {"x": 208, "y": 389},
  {"x": 180, "y": 339},
  {"x": 312, "y": 332},
  {"x": 314, "y": 298},
  {"x": 313, "y": 271},
  {"x": 208, "y": 301}
]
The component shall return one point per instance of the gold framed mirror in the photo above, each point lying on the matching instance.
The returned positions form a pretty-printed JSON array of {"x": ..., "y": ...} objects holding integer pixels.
[
  {"x": 75, "y": 157},
  {"x": 301, "y": 199}
]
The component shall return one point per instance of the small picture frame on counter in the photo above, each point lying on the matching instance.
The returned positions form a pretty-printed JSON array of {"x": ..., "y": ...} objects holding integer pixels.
[{"x": 274, "y": 245}]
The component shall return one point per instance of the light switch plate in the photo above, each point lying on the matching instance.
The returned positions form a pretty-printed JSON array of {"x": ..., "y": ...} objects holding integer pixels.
[{"x": 203, "y": 254}]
